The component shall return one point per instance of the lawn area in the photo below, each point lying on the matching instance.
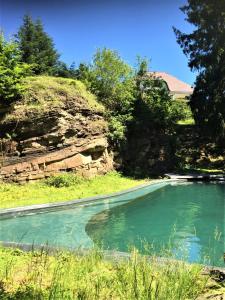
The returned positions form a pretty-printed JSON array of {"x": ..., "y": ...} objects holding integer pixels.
[
  {"x": 39, "y": 275},
  {"x": 62, "y": 188}
]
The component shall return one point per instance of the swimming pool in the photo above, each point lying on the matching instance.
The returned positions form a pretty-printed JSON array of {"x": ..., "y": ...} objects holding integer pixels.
[{"x": 186, "y": 218}]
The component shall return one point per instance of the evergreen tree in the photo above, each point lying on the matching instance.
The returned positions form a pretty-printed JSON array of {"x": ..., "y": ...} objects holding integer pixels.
[
  {"x": 205, "y": 48},
  {"x": 36, "y": 46}
]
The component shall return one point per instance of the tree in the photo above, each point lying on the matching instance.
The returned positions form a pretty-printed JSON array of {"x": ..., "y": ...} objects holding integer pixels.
[
  {"x": 154, "y": 107},
  {"x": 205, "y": 48},
  {"x": 61, "y": 69},
  {"x": 36, "y": 46},
  {"x": 112, "y": 80},
  {"x": 85, "y": 74},
  {"x": 12, "y": 72}
]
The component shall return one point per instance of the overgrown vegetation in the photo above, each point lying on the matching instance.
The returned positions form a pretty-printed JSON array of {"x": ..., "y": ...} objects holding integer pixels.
[
  {"x": 154, "y": 107},
  {"x": 130, "y": 96},
  {"x": 43, "y": 93},
  {"x": 63, "y": 187},
  {"x": 38, "y": 275},
  {"x": 116, "y": 85}
]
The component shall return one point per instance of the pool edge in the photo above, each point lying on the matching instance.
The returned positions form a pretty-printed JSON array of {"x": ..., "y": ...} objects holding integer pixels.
[
  {"x": 41, "y": 207},
  {"x": 108, "y": 254}
]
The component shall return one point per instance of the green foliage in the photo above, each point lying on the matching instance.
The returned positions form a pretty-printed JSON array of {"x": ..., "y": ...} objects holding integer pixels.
[
  {"x": 142, "y": 66},
  {"x": 63, "y": 180},
  {"x": 36, "y": 46},
  {"x": 205, "y": 48},
  {"x": 112, "y": 80},
  {"x": 182, "y": 109},
  {"x": 12, "y": 72},
  {"x": 70, "y": 276},
  {"x": 61, "y": 69},
  {"x": 118, "y": 127},
  {"x": 84, "y": 74},
  {"x": 130, "y": 97},
  {"x": 154, "y": 106}
]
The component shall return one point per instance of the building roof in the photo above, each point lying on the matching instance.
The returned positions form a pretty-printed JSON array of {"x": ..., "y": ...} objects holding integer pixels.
[{"x": 174, "y": 85}]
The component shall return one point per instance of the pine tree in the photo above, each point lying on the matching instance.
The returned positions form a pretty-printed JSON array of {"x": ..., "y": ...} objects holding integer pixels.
[
  {"x": 36, "y": 46},
  {"x": 205, "y": 48}
]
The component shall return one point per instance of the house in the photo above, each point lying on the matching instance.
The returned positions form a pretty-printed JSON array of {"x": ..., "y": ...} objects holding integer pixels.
[{"x": 177, "y": 88}]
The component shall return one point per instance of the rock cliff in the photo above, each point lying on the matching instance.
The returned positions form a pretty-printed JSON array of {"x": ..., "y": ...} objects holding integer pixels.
[{"x": 58, "y": 126}]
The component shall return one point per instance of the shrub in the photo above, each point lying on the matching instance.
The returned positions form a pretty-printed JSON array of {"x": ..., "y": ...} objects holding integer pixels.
[
  {"x": 182, "y": 109},
  {"x": 64, "y": 180}
]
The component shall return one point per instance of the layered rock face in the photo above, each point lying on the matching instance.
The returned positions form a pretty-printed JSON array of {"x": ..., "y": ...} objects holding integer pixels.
[{"x": 71, "y": 137}]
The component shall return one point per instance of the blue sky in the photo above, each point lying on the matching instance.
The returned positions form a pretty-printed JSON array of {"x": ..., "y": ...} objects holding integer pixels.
[{"x": 79, "y": 27}]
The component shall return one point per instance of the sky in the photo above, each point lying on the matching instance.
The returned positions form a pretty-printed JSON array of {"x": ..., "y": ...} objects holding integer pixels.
[{"x": 131, "y": 27}]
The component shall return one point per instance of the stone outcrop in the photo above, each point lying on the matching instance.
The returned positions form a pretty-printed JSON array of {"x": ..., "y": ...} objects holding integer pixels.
[
  {"x": 151, "y": 152},
  {"x": 148, "y": 152},
  {"x": 71, "y": 137}
]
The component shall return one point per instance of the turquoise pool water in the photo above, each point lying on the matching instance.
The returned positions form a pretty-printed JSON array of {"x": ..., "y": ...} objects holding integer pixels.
[{"x": 187, "y": 218}]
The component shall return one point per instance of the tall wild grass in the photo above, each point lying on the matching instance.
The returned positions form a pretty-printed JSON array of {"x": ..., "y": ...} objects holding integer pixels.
[{"x": 65, "y": 275}]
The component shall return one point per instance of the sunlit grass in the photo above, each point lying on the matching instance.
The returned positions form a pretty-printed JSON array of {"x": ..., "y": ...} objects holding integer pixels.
[
  {"x": 12, "y": 195},
  {"x": 43, "y": 93},
  {"x": 39, "y": 275}
]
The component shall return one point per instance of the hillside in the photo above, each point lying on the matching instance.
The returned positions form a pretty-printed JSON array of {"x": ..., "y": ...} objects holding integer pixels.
[{"x": 57, "y": 126}]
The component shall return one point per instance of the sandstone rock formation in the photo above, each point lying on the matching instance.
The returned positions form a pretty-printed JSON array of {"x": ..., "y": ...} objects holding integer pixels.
[{"x": 69, "y": 137}]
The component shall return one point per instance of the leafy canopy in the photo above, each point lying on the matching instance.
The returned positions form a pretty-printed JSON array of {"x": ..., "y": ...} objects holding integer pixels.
[
  {"x": 12, "y": 72},
  {"x": 205, "y": 48},
  {"x": 112, "y": 80},
  {"x": 154, "y": 106}
]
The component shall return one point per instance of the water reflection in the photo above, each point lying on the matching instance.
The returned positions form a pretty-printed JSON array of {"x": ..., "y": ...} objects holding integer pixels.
[{"x": 188, "y": 219}]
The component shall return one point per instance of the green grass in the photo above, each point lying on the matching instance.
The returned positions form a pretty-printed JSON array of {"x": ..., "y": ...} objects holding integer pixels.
[
  {"x": 46, "y": 92},
  {"x": 13, "y": 195},
  {"x": 38, "y": 275}
]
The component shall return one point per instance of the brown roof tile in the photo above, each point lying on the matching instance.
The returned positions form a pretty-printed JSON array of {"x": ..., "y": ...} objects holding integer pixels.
[{"x": 174, "y": 84}]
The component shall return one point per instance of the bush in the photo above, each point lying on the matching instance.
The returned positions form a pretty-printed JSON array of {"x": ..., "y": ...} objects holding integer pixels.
[
  {"x": 182, "y": 109},
  {"x": 64, "y": 180}
]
